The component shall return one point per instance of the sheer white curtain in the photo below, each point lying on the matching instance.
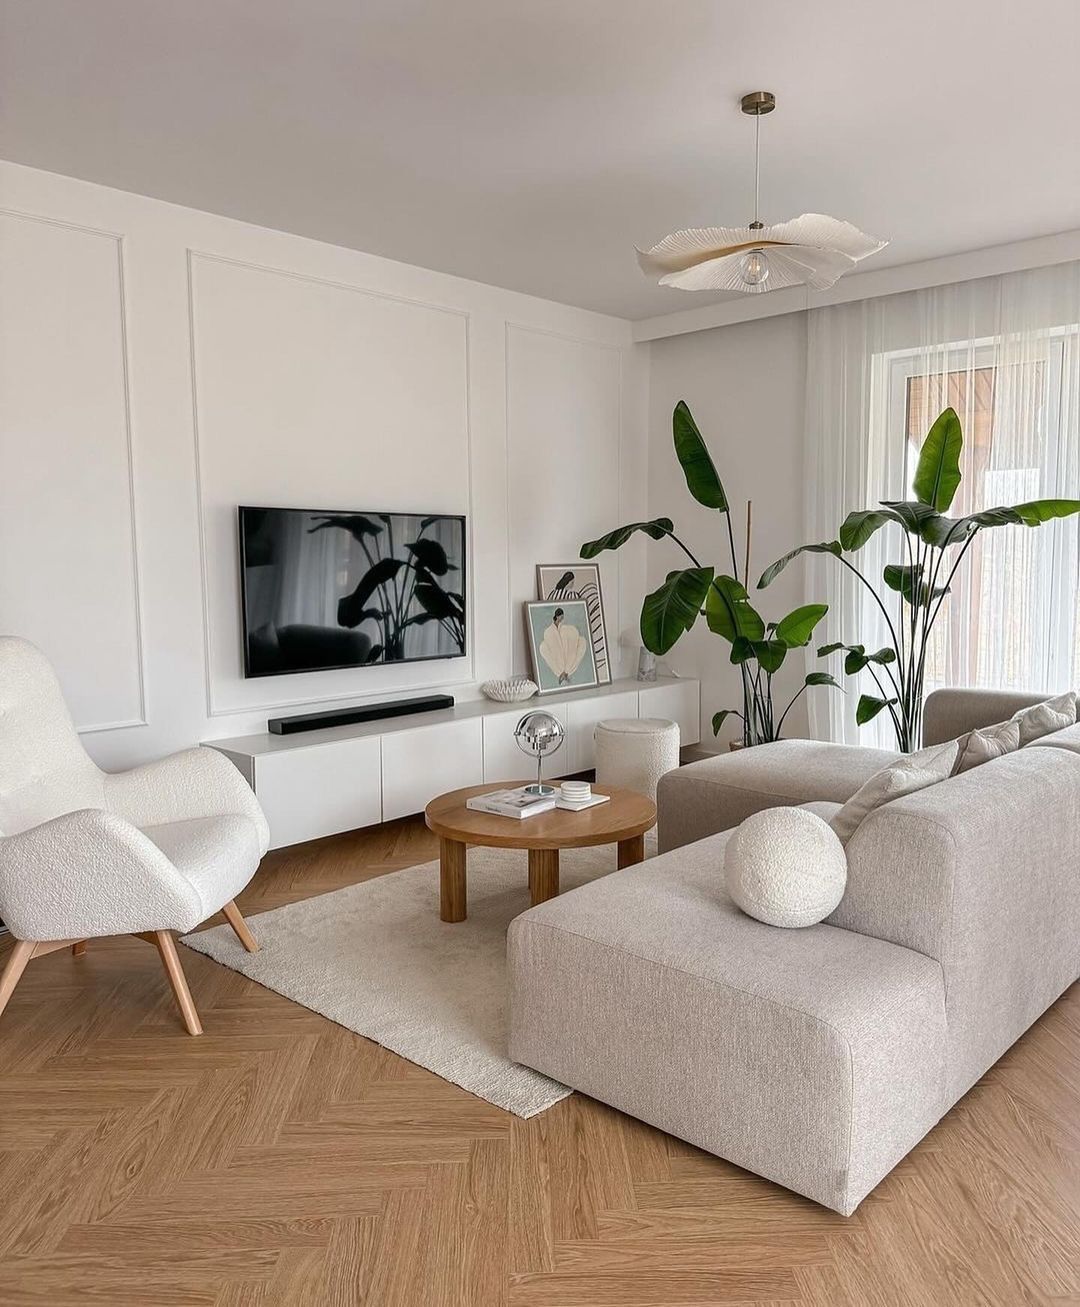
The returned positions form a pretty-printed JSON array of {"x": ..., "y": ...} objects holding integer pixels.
[{"x": 1005, "y": 353}]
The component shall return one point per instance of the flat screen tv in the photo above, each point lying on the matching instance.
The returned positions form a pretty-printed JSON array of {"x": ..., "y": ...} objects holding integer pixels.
[{"x": 325, "y": 590}]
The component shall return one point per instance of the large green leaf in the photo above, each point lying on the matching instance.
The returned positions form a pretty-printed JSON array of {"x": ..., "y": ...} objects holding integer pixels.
[
  {"x": 796, "y": 629},
  {"x": 674, "y": 608},
  {"x": 937, "y": 476},
  {"x": 729, "y": 612},
  {"x": 774, "y": 569},
  {"x": 719, "y": 717},
  {"x": 907, "y": 581},
  {"x": 1037, "y": 511},
  {"x": 742, "y": 650},
  {"x": 859, "y": 526},
  {"x": 954, "y": 531},
  {"x": 702, "y": 478},
  {"x": 857, "y": 657},
  {"x": 770, "y": 655},
  {"x": 822, "y": 678},
  {"x": 941, "y": 532},
  {"x": 868, "y": 708},
  {"x": 655, "y": 529},
  {"x": 916, "y": 518}
]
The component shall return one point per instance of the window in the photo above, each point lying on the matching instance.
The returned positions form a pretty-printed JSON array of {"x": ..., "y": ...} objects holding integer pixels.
[{"x": 1013, "y": 617}]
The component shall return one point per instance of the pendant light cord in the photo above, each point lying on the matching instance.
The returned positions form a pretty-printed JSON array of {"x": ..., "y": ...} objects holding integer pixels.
[{"x": 757, "y": 165}]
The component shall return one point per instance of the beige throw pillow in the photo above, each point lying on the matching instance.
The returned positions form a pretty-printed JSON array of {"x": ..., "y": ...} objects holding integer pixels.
[
  {"x": 913, "y": 772},
  {"x": 977, "y": 747},
  {"x": 1043, "y": 718}
]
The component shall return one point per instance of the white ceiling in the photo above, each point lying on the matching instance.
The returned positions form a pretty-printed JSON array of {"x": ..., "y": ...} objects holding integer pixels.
[{"x": 531, "y": 145}]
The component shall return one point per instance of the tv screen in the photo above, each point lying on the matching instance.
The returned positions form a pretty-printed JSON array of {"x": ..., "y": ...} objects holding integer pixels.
[{"x": 323, "y": 590}]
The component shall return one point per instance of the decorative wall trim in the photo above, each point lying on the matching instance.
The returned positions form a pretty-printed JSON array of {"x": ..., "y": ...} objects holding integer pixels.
[
  {"x": 117, "y": 239},
  {"x": 620, "y": 350},
  {"x": 353, "y": 696}
]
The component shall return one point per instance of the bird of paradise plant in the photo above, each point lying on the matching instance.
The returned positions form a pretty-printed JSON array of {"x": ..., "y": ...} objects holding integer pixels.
[
  {"x": 758, "y": 648},
  {"x": 934, "y": 547}
]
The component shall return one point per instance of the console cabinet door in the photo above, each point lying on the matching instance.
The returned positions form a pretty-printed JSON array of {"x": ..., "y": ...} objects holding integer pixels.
[
  {"x": 418, "y": 765},
  {"x": 585, "y": 713},
  {"x": 308, "y": 792},
  {"x": 679, "y": 701}
]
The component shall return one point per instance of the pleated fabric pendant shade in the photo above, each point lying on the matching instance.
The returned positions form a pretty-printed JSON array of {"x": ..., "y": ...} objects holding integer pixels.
[{"x": 812, "y": 250}]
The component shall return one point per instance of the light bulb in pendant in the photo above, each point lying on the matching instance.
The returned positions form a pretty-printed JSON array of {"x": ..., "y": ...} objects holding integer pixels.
[{"x": 755, "y": 268}]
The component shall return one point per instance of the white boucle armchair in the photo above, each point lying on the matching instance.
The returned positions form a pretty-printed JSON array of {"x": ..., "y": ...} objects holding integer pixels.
[{"x": 85, "y": 853}]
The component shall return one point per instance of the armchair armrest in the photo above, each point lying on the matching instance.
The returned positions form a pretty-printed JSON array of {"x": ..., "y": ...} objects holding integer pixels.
[
  {"x": 196, "y": 782},
  {"x": 90, "y": 873}
]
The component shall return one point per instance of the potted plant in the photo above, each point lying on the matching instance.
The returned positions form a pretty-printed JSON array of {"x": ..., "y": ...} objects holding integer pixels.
[
  {"x": 934, "y": 547},
  {"x": 758, "y": 648}
]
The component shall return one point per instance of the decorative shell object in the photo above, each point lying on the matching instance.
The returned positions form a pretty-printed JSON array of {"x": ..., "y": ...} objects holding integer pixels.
[{"x": 511, "y": 690}]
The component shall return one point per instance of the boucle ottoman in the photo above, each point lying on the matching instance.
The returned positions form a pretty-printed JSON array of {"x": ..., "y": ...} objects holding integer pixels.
[{"x": 634, "y": 752}]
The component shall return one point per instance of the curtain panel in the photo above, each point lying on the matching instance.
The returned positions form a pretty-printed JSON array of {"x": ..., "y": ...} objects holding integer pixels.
[{"x": 1005, "y": 353}]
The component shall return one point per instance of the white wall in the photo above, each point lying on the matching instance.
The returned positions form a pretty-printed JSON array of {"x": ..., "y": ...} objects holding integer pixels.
[
  {"x": 745, "y": 387},
  {"x": 159, "y": 365}
]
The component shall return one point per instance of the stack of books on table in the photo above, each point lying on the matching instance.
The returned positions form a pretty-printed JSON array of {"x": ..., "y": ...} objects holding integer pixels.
[
  {"x": 519, "y": 803},
  {"x": 512, "y": 803}
]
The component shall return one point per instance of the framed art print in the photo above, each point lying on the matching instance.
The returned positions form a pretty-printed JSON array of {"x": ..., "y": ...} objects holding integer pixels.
[
  {"x": 560, "y": 645},
  {"x": 557, "y": 582}
]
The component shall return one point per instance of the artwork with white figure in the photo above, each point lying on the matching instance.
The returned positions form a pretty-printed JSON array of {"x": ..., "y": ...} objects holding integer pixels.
[
  {"x": 560, "y": 645},
  {"x": 557, "y": 582}
]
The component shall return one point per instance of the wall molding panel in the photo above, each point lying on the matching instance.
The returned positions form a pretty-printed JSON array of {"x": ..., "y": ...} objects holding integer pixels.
[
  {"x": 138, "y": 717},
  {"x": 237, "y": 364}
]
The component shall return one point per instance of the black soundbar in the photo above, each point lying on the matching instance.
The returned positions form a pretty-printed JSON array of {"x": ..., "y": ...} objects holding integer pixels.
[{"x": 372, "y": 712}]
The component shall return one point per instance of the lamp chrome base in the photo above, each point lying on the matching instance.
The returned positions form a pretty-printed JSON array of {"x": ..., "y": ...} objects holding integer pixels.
[{"x": 541, "y": 789}]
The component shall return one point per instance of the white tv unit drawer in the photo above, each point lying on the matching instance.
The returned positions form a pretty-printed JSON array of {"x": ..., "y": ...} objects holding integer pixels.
[{"x": 321, "y": 782}]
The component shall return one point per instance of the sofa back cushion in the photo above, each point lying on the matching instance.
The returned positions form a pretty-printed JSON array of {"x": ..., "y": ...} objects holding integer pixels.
[
  {"x": 1045, "y": 718},
  {"x": 907, "y": 774},
  {"x": 985, "y": 744},
  {"x": 982, "y": 873}
]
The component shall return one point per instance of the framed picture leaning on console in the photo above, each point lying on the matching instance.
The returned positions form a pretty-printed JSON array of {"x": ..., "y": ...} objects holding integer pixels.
[
  {"x": 558, "y": 582},
  {"x": 560, "y": 645}
]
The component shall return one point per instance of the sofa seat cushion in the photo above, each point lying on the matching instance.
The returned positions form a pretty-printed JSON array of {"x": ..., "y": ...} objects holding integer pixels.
[
  {"x": 718, "y": 793},
  {"x": 815, "y": 1057},
  {"x": 217, "y": 855}
]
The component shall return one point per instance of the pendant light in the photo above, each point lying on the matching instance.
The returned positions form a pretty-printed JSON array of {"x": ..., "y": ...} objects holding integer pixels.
[{"x": 812, "y": 250}]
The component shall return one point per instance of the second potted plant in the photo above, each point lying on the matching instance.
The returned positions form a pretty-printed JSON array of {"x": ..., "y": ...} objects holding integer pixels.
[{"x": 758, "y": 648}]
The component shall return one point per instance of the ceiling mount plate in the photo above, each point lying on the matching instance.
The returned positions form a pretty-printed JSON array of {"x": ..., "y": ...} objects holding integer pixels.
[{"x": 758, "y": 102}]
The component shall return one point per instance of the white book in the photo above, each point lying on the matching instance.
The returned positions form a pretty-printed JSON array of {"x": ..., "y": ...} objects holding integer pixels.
[{"x": 511, "y": 803}]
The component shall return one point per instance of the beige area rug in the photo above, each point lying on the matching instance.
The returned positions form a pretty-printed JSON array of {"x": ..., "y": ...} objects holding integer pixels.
[{"x": 375, "y": 958}]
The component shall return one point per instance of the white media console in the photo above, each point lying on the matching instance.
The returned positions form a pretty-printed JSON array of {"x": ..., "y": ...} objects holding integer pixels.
[{"x": 322, "y": 782}]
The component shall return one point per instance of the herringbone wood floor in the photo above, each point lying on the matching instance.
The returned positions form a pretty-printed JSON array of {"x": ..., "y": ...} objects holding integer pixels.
[{"x": 280, "y": 1159}]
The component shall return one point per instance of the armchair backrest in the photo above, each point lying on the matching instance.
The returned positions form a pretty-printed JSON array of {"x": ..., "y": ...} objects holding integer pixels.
[{"x": 44, "y": 769}]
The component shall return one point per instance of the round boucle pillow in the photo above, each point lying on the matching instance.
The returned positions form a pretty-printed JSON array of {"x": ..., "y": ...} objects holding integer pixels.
[{"x": 786, "y": 867}]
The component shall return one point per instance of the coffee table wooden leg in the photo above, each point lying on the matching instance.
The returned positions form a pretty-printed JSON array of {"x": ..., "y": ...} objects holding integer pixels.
[
  {"x": 543, "y": 875},
  {"x": 631, "y": 851},
  {"x": 451, "y": 880}
]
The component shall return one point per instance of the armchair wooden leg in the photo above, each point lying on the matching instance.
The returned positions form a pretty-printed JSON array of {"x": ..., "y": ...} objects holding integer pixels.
[
  {"x": 16, "y": 965},
  {"x": 243, "y": 934},
  {"x": 166, "y": 946},
  {"x": 77, "y": 950}
]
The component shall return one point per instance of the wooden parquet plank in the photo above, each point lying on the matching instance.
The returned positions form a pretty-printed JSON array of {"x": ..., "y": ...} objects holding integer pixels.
[{"x": 282, "y": 1161}]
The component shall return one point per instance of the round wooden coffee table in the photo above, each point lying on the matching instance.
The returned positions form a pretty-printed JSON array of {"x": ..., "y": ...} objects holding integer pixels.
[{"x": 623, "y": 821}]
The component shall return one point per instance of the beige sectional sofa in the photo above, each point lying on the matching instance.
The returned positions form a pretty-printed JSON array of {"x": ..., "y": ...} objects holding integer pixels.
[{"x": 816, "y": 1057}]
